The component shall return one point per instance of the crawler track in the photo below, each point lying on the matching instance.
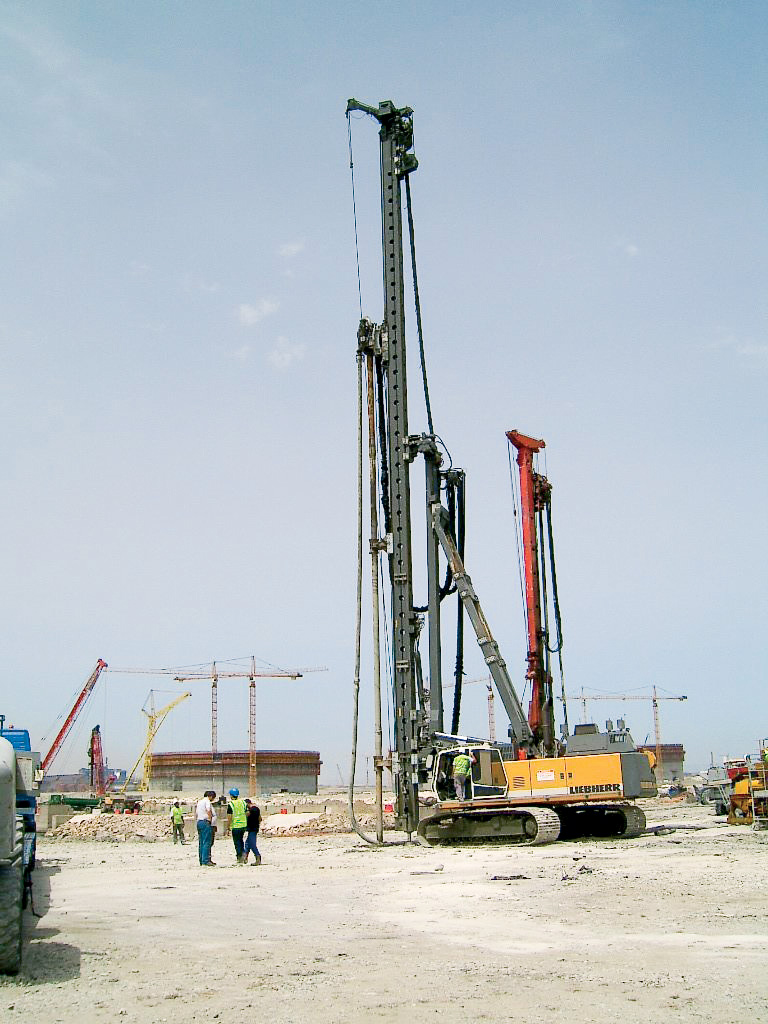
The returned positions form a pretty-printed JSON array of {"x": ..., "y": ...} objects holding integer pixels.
[
  {"x": 531, "y": 825},
  {"x": 602, "y": 821},
  {"x": 526, "y": 826},
  {"x": 547, "y": 826},
  {"x": 635, "y": 821}
]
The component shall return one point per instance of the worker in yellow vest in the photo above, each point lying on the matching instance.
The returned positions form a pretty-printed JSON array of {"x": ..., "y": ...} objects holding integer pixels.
[
  {"x": 177, "y": 821},
  {"x": 236, "y": 808},
  {"x": 462, "y": 767}
]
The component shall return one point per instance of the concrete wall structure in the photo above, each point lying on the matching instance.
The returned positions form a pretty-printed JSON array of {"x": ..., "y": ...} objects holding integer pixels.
[{"x": 277, "y": 771}]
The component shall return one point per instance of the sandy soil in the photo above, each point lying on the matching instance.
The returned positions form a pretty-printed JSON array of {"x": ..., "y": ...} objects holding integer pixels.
[{"x": 668, "y": 927}]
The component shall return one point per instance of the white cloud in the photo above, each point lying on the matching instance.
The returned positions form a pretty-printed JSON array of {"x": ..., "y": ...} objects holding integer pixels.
[
  {"x": 242, "y": 353},
  {"x": 197, "y": 286},
  {"x": 44, "y": 49},
  {"x": 157, "y": 327},
  {"x": 631, "y": 250},
  {"x": 17, "y": 180},
  {"x": 753, "y": 348},
  {"x": 251, "y": 315},
  {"x": 746, "y": 347},
  {"x": 286, "y": 354},
  {"x": 289, "y": 249}
]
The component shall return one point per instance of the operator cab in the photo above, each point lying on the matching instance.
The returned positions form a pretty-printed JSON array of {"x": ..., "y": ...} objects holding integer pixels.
[{"x": 487, "y": 779}]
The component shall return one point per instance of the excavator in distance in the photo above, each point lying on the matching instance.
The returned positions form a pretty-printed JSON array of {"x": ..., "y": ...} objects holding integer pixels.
[{"x": 534, "y": 788}]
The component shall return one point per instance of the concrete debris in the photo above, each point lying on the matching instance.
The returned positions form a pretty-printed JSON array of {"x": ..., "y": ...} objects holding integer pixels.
[
  {"x": 324, "y": 824},
  {"x": 114, "y": 828},
  {"x": 150, "y": 828}
]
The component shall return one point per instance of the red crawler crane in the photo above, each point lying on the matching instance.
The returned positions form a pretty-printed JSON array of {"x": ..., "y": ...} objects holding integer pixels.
[{"x": 93, "y": 678}]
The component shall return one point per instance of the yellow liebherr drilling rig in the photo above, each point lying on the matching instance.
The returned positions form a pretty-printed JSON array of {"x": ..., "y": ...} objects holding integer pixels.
[{"x": 534, "y": 788}]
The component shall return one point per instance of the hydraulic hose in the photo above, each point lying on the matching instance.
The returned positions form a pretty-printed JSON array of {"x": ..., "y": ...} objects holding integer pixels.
[
  {"x": 558, "y": 622},
  {"x": 459, "y": 670}
]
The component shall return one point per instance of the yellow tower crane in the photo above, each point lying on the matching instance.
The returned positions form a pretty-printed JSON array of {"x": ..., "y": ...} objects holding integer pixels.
[{"x": 155, "y": 718}]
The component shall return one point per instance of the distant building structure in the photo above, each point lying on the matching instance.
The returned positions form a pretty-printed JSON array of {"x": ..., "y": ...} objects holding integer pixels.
[
  {"x": 193, "y": 771},
  {"x": 79, "y": 782},
  {"x": 672, "y": 759},
  {"x": 75, "y": 783}
]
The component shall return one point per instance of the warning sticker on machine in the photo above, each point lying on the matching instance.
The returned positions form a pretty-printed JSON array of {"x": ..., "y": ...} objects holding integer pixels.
[{"x": 545, "y": 776}]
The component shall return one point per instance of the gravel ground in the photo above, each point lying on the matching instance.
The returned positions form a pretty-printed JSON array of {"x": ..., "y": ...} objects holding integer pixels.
[{"x": 670, "y": 926}]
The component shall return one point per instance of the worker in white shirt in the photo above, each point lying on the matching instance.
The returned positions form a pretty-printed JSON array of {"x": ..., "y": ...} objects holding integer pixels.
[{"x": 205, "y": 822}]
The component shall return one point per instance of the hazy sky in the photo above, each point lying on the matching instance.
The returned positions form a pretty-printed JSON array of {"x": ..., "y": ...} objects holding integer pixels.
[{"x": 178, "y": 315}]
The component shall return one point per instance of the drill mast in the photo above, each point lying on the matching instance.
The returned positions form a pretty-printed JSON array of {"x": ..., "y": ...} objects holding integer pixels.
[
  {"x": 535, "y": 491},
  {"x": 418, "y": 725}
]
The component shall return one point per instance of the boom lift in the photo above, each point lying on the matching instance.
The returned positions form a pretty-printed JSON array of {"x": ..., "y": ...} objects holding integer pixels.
[{"x": 534, "y": 787}]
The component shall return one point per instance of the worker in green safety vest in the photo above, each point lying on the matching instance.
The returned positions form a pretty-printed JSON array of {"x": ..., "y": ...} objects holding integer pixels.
[
  {"x": 177, "y": 821},
  {"x": 462, "y": 766},
  {"x": 236, "y": 808}
]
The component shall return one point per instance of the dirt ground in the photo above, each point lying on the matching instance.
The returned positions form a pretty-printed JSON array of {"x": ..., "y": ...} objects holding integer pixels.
[{"x": 668, "y": 927}]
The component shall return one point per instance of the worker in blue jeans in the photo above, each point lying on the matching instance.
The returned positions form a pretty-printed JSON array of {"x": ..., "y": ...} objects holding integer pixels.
[
  {"x": 236, "y": 810},
  {"x": 253, "y": 821},
  {"x": 204, "y": 815}
]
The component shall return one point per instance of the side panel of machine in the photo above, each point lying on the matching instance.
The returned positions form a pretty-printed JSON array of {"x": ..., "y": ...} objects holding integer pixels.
[
  {"x": 7, "y": 800},
  {"x": 18, "y": 738},
  {"x": 638, "y": 776},
  {"x": 591, "y": 777},
  {"x": 11, "y": 863}
]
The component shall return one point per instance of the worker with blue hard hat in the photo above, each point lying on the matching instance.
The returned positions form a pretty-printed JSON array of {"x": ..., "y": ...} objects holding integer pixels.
[{"x": 236, "y": 809}]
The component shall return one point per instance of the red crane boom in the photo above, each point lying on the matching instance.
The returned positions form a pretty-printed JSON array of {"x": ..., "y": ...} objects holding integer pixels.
[
  {"x": 72, "y": 716},
  {"x": 534, "y": 494}
]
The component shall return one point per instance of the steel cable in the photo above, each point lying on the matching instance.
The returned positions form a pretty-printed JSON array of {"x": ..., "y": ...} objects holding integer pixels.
[
  {"x": 354, "y": 213},
  {"x": 418, "y": 304},
  {"x": 516, "y": 517},
  {"x": 459, "y": 668},
  {"x": 558, "y": 622}
]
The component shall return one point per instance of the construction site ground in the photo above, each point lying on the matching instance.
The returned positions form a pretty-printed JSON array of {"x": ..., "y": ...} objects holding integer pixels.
[{"x": 668, "y": 926}]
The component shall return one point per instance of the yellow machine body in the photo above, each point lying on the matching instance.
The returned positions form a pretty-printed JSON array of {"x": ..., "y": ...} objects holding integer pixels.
[
  {"x": 749, "y": 796},
  {"x": 589, "y": 777},
  {"x": 538, "y": 800}
]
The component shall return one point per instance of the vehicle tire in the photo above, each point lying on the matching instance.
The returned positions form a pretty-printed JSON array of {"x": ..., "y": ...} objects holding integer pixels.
[{"x": 11, "y": 892}]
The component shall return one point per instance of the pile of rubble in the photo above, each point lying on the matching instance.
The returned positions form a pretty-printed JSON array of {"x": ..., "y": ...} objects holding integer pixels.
[
  {"x": 149, "y": 828},
  {"x": 325, "y": 824},
  {"x": 113, "y": 828}
]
